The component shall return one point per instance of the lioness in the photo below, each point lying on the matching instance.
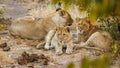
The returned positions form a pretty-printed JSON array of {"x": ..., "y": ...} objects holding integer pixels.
[{"x": 37, "y": 29}]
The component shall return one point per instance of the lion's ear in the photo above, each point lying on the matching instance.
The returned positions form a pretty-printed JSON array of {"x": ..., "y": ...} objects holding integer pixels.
[
  {"x": 58, "y": 9},
  {"x": 58, "y": 6},
  {"x": 67, "y": 28},
  {"x": 58, "y": 28},
  {"x": 62, "y": 13}
]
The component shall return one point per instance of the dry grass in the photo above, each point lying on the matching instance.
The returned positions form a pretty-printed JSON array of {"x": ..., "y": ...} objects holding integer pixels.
[{"x": 44, "y": 10}]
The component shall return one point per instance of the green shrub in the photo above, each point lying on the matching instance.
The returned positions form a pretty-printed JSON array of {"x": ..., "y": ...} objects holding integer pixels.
[
  {"x": 102, "y": 62},
  {"x": 97, "y": 8},
  {"x": 1, "y": 11},
  {"x": 110, "y": 25},
  {"x": 71, "y": 65}
]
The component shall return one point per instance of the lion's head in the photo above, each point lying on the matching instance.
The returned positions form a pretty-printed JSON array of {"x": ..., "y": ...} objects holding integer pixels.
[
  {"x": 63, "y": 34},
  {"x": 62, "y": 17},
  {"x": 83, "y": 24}
]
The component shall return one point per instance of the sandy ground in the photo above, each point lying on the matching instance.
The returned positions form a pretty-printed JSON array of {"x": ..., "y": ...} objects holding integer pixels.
[
  {"x": 13, "y": 9},
  {"x": 18, "y": 46}
]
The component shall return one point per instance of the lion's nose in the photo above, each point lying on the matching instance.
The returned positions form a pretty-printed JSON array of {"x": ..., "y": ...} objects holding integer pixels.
[{"x": 60, "y": 41}]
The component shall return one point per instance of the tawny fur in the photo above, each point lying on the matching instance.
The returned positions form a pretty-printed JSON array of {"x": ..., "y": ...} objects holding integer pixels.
[
  {"x": 91, "y": 36},
  {"x": 102, "y": 40},
  {"x": 37, "y": 29},
  {"x": 84, "y": 29},
  {"x": 61, "y": 38}
]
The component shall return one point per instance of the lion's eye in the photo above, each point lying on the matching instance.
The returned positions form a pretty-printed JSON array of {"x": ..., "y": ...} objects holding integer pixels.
[
  {"x": 84, "y": 24},
  {"x": 80, "y": 23},
  {"x": 58, "y": 34},
  {"x": 61, "y": 14},
  {"x": 63, "y": 34}
]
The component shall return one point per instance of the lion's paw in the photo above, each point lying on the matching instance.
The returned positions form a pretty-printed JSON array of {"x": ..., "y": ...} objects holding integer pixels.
[
  {"x": 47, "y": 46},
  {"x": 59, "y": 52},
  {"x": 69, "y": 51}
]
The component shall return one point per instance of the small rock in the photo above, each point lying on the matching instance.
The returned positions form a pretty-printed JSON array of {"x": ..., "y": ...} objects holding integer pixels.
[
  {"x": 30, "y": 65},
  {"x": 25, "y": 55},
  {"x": 33, "y": 57},
  {"x": 22, "y": 61},
  {"x": 42, "y": 56},
  {"x": 39, "y": 60},
  {"x": 3, "y": 45},
  {"x": 6, "y": 49},
  {"x": 45, "y": 61}
]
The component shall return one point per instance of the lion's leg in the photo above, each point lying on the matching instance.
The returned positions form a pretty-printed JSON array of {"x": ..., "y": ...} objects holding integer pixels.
[
  {"x": 58, "y": 49},
  {"x": 69, "y": 48},
  {"x": 94, "y": 39},
  {"x": 92, "y": 42},
  {"x": 49, "y": 38}
]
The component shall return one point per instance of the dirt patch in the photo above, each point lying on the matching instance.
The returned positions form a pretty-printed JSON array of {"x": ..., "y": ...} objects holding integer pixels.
[{"x": 25, "y": 55}]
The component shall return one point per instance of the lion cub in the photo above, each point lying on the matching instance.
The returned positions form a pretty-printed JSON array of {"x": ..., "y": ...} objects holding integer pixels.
[{"x": 62, "y": 37}]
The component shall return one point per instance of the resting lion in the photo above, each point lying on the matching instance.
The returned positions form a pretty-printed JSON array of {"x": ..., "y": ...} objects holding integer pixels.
[
  {"x": 84, "y": 29},
  {"x": 28, "y": 27},
  {"x": 91, "y": 36}
]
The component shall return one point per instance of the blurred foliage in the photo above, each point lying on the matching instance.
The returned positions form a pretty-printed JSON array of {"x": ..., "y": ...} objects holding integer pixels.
[
  {"x": 85, "y": 63},
  {"x": 96, "y": 8},
  {"x": 1, "y": 12},
  {"x": 1, "y": 17},
  {"x": 115, "y": 46},
  {"x": 116, "y": 49},
  {"x": 71, "y": 65},
  {"x": 101, "y": 62},
  {"x": 65, "y": 3},
  {"x": 110, "y": 24}
]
